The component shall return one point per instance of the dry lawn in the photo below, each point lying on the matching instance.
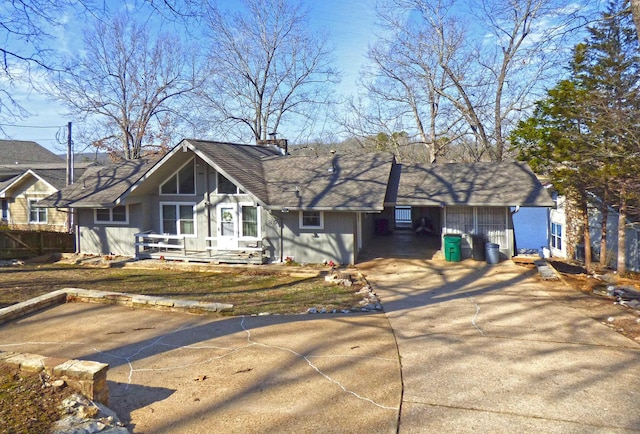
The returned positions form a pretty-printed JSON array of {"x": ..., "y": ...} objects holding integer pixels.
[{"x": 251, "y": 290}]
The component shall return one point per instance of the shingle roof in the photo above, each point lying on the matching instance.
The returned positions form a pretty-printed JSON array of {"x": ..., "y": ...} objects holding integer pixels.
[
  {"x": 242, "y": 163},
  {"x": 470, "y": 184},
  {"x": 25, "y": 152},
  {"x": 99, "y": 186},
  {"x": 7, "y": 179},
  {"x": 340, "y": 182},
  {"x": 53, "y": 173}
]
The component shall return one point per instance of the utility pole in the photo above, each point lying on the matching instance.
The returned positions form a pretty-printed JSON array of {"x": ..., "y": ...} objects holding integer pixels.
[
  {"x": 70, "y": 166},
  {"x": 69, "y": 156}
]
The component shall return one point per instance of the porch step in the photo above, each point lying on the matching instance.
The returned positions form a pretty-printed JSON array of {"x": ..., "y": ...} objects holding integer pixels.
[
  {"x": 546, "y": 271},
  {"x": 220, "y": 257}
]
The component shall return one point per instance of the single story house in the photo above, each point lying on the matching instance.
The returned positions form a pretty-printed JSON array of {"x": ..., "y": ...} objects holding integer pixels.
[
  {"x": 226, "y": 202},
  {"x": 567, "y": 234},
  {"x": 28, "y": 173}
]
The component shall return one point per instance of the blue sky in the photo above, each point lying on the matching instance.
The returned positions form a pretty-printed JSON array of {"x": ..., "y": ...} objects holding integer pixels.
[{"x": 349, "y": 23}]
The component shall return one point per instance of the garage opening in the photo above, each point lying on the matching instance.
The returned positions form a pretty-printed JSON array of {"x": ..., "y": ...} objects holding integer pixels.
[
  {"x": 405, "y": 231},
  {"x": 403, "y": 217}
]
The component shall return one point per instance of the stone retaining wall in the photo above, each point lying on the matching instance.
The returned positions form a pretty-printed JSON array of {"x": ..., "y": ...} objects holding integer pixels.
[
  {"x": 66, "y": 295},
  {"x": 87, "y": 377}
]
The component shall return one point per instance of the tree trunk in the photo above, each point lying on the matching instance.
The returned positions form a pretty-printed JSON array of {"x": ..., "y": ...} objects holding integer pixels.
[
  {"x": 622, "y": 231},
  {"x": 587, "y": 235},
  {"x": 635, "y": 11},
  {"x": 604, "y": 212}
]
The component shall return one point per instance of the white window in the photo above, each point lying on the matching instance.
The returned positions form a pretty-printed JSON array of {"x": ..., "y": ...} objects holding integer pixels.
[
  {"x": 178, "y": 218},
  {"x": 250, "y": 223},
  {"x": 37, "y": 215},
  {"x": 311, "y": 220},
  {"x": 226, "y": 186},
  {"x": 117, "y": 214},
  {"x": 556, "y": 236},
  {"x": 182, "y": 182}
]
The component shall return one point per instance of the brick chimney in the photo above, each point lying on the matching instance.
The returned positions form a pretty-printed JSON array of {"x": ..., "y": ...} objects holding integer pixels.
[{"x": 281, "y": 144}]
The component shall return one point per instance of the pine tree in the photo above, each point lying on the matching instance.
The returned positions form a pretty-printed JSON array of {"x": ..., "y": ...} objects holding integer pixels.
[{"x": 586, "y": 133}]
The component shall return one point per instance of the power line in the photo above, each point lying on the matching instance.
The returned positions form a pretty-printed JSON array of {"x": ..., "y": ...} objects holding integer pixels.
[{"x": 31, "y": 126}]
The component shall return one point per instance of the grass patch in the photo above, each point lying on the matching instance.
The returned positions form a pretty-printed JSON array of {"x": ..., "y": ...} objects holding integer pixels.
[{"x": 250, "y": 290}]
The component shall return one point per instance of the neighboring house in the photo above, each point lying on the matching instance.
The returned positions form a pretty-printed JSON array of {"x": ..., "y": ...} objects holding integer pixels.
[
  {"x": 542, "y": 229},
  {"x": 213, "y": 201},
  {"x": 28, "y": 173},
  {"x": 557, "y": 227},
  {"x": 531, "y": 228},
  {"x": 566, "y": 239},
  {"x": 632, "y": 240},
  {"x": 576, "y": 244}
]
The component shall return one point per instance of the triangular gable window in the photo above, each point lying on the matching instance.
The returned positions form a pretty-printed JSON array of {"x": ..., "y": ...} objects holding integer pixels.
[
  {"x": 226, "y": 186},
  {"x": 182, "y": 182}
]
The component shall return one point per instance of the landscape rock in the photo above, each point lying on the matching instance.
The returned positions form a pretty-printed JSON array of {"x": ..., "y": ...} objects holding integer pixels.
[
  {"x": 625, "y": 295},
  {"x": 10, "y": 263},
  {"x": 84, "y": 416}
]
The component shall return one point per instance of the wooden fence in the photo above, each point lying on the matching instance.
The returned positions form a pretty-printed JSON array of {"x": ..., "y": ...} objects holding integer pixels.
[{"x": 27, "y": 244}]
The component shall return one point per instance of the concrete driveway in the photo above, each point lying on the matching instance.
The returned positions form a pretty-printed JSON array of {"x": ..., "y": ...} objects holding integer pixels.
[
  {"x": 495, "y": 349},
  {"x": 174, "y": 372}
]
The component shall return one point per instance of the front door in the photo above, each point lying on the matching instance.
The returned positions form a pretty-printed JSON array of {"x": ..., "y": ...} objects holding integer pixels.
[{"x": 227, "y": 216}]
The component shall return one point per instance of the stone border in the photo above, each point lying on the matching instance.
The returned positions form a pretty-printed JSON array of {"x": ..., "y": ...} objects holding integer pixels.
[
  {"x": 68, "y": 295},
  {"x": 87, "y": 377}
]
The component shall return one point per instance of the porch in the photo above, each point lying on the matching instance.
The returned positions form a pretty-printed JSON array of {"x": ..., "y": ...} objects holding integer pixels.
[{"x": 150, "y": 245}]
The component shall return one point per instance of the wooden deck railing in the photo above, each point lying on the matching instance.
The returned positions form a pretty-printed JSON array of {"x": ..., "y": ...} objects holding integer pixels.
[
  {"x": 251, "y": 246},
  {"x": 150, "y": 242}
]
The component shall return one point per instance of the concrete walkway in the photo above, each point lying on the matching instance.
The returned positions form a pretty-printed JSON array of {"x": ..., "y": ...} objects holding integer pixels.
[{"x": 496, "y": 349}]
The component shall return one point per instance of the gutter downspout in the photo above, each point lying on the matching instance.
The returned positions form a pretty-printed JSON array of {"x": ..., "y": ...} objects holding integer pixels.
[
  {"x": 207, "y": 203},
  {"x": 281, "y": 239},
  {"x": 77, "y": 233}
]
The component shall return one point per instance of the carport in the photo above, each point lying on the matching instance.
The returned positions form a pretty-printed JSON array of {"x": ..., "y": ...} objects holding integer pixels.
[{"x": 474, "y": 200}]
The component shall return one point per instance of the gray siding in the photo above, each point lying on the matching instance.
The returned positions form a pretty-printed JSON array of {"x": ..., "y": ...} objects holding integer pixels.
[
  {"x": 336, "y": 242},
  {"x": 280, "y": 232},
  {"x": 105, "y": 239},
  {"x": 205, "y": 200},
  {"x": 632, "y": 240}
]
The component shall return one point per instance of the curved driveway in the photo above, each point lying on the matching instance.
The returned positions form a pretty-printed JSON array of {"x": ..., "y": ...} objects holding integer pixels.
[{"x": 496, "y": 349}]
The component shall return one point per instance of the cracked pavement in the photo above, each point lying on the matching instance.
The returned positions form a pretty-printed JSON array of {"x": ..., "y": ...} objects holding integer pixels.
[
  {"x": 179, "y": 373},
  {"x": 496, "y": 349},
  {"x": 482, "y": 349}
]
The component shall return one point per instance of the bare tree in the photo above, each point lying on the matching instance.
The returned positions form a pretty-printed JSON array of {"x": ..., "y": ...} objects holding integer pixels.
[
  {"x": 464, "y": 76},
  {"x": 404, "y": 87},
  {"x": 25, "y": 29},
  {"x": 128, "y": 85},
  {"x": 266, "y": 67}
]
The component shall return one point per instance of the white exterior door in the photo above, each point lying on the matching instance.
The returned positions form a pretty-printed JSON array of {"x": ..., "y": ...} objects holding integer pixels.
[{"x": 227, "y": 216}]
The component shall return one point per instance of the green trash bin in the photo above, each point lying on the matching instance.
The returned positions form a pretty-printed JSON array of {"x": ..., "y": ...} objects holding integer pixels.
[{"x": 452, "y": 243}]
